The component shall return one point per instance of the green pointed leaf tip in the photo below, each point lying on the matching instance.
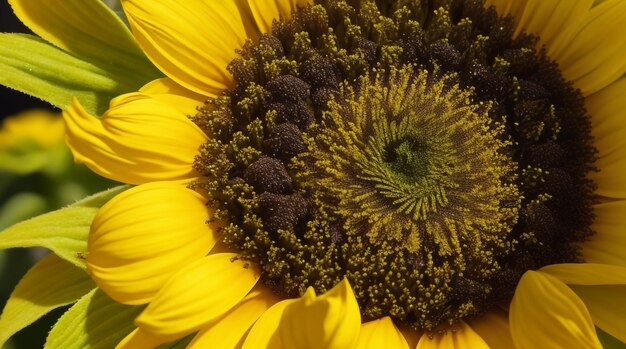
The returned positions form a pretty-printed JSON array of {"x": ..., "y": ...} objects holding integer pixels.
[
  {"x": 63, "y": 231},
  {"x": 50, "y": 284},
  {"x": 95, "y": 321},
  {"x": 32, "y": 66}
]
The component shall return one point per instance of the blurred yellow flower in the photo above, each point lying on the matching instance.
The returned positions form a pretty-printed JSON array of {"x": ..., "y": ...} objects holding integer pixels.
[{"x": 33, "y": 140}]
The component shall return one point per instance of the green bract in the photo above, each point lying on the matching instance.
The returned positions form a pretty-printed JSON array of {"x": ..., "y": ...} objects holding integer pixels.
[
  {"x": 60, "y": 278},
  {"x": 64, "y": 231},
  {"x": 50, "y": 284}
]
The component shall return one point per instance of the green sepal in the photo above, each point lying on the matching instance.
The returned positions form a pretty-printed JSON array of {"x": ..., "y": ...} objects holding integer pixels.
[
  {"x": 116, "y": 7},
  {"x": 95, "y": 321},
  {"x": 50, "y": 284},
  {"x": 179, "y": 344},
  {"x": 608, "y": 341},
  {"x": 32, "y": 66},
  {"x": 63, "y": 231}
]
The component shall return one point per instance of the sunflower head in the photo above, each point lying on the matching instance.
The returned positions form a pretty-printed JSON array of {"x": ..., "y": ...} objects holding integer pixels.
[
  {"x": 428, "y": 164},
  {"x": 341, "y": 171}
]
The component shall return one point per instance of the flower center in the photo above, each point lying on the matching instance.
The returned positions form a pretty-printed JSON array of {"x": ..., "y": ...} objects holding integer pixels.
[
  {"x": 409, "y": 159},
  {"x": 417, "y": 149}
]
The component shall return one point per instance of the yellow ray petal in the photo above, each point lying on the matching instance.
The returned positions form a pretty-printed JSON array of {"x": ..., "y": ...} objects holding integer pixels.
[
  {"x": 228, "y": 331},
  {"x": 139, "y": 139},
  {"x": 249, "y": 23},
  {"x": 607, "y": 110},
  {"x": 607, "y": 306},
  {"x": 266, "y": 11},
  {"x": 66, "y": 24},
  {"x": 608, "y": 113},
  {"x": 381, "y": 333},
  {"x": 140, "y": 238},
  {"x": 330, "y": 321},
  {"x": 594, "y": 58},
  {"x": 554, "y": 21},
  {"x": 191, "y": 41},
  {"x": 264, "y": 334},
  {"x": 587, "y": 273},
  {"x": 169, "y": 92},
  {"x": 460, "y": 336},
  {"x": 545, "y": 313},
  {"x": 610, "y": 177},
  {"x": 607, "y": 245},
  {"x": 201, "y": 292},
  {"x": 140, "y": 339},
  {"x": 493, "y": 327}
]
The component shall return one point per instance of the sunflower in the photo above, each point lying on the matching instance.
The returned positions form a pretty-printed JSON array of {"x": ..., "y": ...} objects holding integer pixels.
[
  {"x": 359, "y": 174},
  {"x": 31, "y": 141}
]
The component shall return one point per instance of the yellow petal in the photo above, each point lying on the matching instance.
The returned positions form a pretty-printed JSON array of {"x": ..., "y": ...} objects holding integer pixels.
[
  {"x": 545, "y": 313},
  {"x": 249, "y": 23},
  {"x": 460, "y": 336},
  {"x": 266, "y": 11},
  {"x": 607, "y": 306},
  {"x": 607, "y": 110},
  {"x": 198, "y": 294},
  {"x": 381, "y": 333},
  {"x": 606, "y": 246},
  {"x": 139, "y": 139},
  {"x": 169, "y": 92},
  {"x": 228, "y": 331},
  {"x": 610, "y": 177},
  {"x": 594, "y": 57},
  {"x": 86, "y": 28},
  {"x": 571, "y": 20},
  {"x": 191, "y": 41},
  {"x": 587, "y": 273},
  {"x": 493, "y": 327},
  {"x": 264, "y": 334},
  {"x": 144, "y": 235},
  {"x": 554, "y": 21},
  {"x": 330, "y": 321},
  {"x": 140, "y": 339},
  {"x": 608, "y": 113}
]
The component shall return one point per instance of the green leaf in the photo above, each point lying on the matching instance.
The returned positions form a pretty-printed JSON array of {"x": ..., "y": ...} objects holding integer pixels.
[
  {"x": 95, "y": 321},
  {"x": 63, "y": 231},
  {"x": 30, "y": 65},
  {"x": 91, "y": 31},
  {"x": 608, "y": 341},
  {"x": 50, "y": 284}
]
